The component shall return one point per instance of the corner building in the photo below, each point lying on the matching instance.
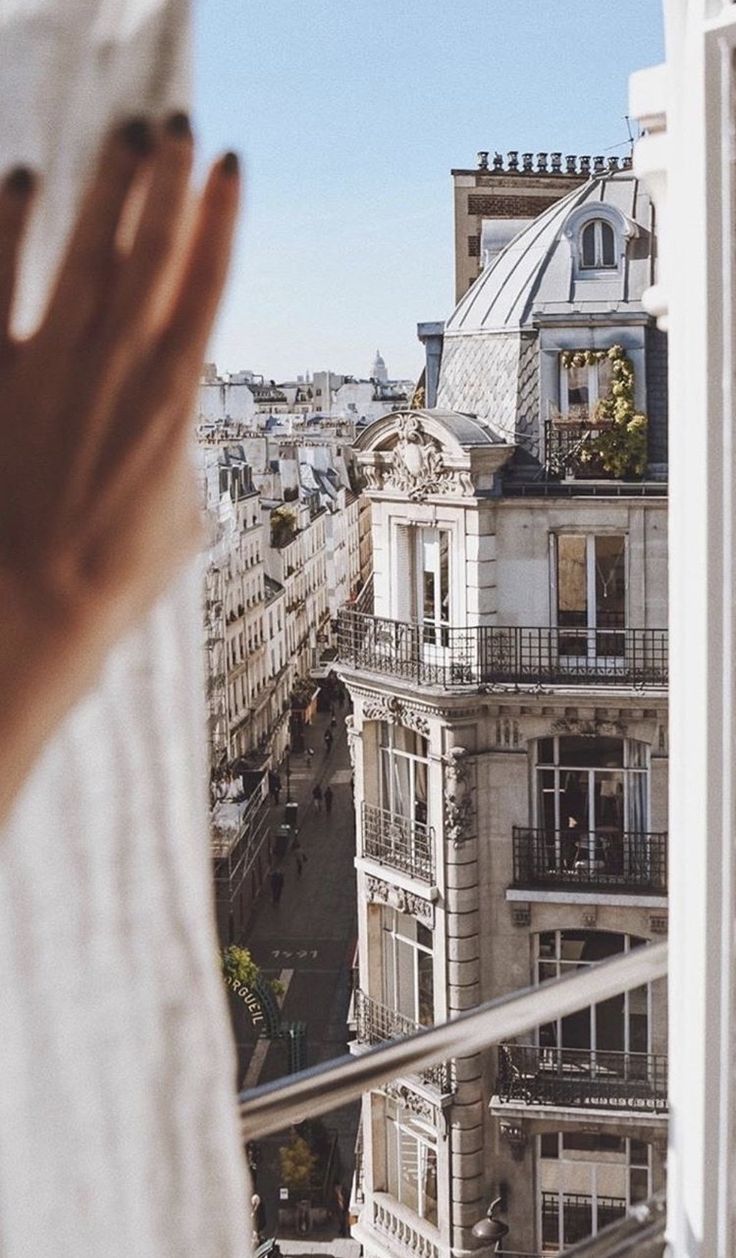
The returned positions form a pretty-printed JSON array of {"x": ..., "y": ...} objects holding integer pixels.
[{"x": 509, "y": 742}]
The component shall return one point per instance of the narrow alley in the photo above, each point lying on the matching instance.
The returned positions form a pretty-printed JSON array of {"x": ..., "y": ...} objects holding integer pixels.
[{"x": 307, "y": 942}]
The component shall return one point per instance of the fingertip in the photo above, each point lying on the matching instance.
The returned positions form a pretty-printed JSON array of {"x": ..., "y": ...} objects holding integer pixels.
[
  {"x": 20, "y": 181},
  {"x": 178, "y": 126},
  {"x": 229, "y": 165},
  {"x": 137, "y": 135}
]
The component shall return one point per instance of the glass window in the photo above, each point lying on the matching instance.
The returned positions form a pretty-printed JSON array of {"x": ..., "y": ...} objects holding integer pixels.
[
  {"x": 618, "y": 1025},
  {"x": 597, "y": 245},
  {"x": 586, "y": 1181},
  {"x": 411, "y": 1161},
  {"x": 408, "y": 967},
  {"x": 404, "y": 767},
  {"x": 590, "y": 581}
]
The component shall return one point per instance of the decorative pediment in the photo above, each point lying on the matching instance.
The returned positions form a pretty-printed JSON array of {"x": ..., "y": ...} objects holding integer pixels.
[{"x": 424, "y": 454}]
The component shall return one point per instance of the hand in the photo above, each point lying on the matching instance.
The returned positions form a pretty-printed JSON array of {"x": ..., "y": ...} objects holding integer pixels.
[{"x": 97, "y": 500}]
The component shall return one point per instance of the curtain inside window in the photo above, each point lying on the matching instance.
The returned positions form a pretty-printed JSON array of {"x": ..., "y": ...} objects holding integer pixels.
[{"x": 117, "y": 1105}]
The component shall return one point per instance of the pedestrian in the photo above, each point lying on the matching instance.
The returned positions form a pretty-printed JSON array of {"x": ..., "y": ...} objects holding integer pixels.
[
  {"x": 310, "y": 752},
  {"x": 332, "y": 711},
  {"x": 328, "y": 800},
  {"x": 328, "y": 741},
  {"x": 277, "y": 885},
  {"x": 317, "y": 796},
  {"x": 277, "y": 788},
  {"x": 333, "y": 722},
  {"x": 301, "y": 861}
]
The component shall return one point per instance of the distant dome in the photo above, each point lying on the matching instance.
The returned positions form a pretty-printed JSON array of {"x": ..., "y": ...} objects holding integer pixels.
[
  {"x": 379, "y": 371},
  {"x": 536, "y": 273}
]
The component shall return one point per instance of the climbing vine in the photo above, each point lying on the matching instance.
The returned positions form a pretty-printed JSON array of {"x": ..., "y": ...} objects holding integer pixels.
[{"x": 621, "y": 446}]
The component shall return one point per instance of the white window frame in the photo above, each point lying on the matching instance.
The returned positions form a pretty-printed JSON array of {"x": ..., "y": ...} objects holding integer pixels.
[
  {"x": 402, "y": 1127},
  {"x": 594, "y": 1165},
  {"x": 594, "y": 395},
  {"x": 598, "y": 264},
  {"x": 387, "y": 751},
  {"x": 392, "y": 939},
  {"x": 563, "y": 967},
  {"x": 628, "y": 767}
]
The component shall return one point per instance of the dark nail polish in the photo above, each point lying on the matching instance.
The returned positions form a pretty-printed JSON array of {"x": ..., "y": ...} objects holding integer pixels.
[
  {"x": 20, "y": 180},
  {"x": 230, "y": 164},
  {"x": 136, "y": 133},
  {"x": 178, "y": 125}
]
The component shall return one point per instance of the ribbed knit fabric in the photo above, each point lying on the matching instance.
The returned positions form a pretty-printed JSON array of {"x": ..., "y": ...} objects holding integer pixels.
[{"x": 118, "y": 1133}]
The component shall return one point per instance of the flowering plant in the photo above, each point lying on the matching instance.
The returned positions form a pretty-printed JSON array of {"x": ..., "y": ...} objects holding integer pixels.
[{"x": 621, "y": 445}]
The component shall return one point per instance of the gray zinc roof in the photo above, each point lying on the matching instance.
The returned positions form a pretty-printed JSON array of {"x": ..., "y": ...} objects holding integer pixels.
[{"x": 533, "y": 275}]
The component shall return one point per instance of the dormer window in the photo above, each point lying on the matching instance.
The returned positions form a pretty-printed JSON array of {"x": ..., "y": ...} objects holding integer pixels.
[{"x": 597, "y": 245}]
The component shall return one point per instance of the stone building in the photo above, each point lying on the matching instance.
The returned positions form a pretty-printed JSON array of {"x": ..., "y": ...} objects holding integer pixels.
[
  {"x": 509, "y": 741},
  {"x": 494, "y": 201}
]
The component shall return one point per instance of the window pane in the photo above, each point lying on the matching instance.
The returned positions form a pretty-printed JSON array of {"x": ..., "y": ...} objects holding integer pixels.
[
  {"x": 409, "y": 1189},
  {"x": 549, "y": 1145},
  {"x": 572, "y": 586},
  {"x": 588, "y": 245},
  {"x": 425, "y": 969},
  {"x": 429, "y": 1185},
  {"x": 610, "y": 583},
  {"x": 608, "y": 245},
  {"x": 578, "y": 391}
]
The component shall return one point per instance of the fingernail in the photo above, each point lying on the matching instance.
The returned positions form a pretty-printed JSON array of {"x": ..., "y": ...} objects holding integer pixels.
[
  {"x": 229, "y": 164},
  {"x": 178, "y": 125},
  {"x": 137, "y": 134},
  {"x": 20, "y": 180}
]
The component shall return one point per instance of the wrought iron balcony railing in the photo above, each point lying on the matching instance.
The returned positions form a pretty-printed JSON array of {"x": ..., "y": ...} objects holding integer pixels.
[
  {"x": 473, "y": 656},
  {"x": 571, "y": 447},
  {"x": 579, "y": 1077},
  {"x": 628, "y": 860},
  {"x": 569, "y": 1217},
  {"x": 398, "y": 842},
  {"x": 376, "y": 1024},
  {"x": 276, "y": 1106}
]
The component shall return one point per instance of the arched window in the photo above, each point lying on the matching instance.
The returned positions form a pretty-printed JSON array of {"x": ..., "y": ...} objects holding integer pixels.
[{"x": 597, "y": 245}]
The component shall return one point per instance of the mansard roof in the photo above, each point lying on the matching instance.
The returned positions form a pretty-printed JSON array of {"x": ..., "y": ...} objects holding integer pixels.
[{"x": 534, "y": 275}]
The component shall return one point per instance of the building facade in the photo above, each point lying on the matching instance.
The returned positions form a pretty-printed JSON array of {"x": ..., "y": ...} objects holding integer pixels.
[{"x": 509, "y": 741}]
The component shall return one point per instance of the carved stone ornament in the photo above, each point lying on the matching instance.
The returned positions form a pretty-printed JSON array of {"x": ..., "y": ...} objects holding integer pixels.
[
  {"x": 381, "y": 892},
  {"x": 394, "y": 712},
  {"x": 352, "y": 736},
  {"x": 418, "y": 465},
  {"x": 458, "y": 803},
  {"x": 515, "y": 1136},
  {"x": 587, "y": 729},
  {"x": 420, "y": 1106}
]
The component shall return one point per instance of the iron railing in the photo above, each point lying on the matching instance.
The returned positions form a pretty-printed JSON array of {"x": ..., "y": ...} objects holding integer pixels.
[
  {"x": 569, "y": 1217},
  {"x": 473, "y": 656},
  {"x": 276, "y": 1106},
  {"x": 580, "y": 1077},
  {"x": 629, "y": 860},
  {"x": 571, "y": 449},
  {"x": 398, "y": 842},
  {"x": 376, "y": 1024}
]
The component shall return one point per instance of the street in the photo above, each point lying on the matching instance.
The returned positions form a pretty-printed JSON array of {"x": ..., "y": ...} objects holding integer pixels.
[{"x": 307, "y": 942}]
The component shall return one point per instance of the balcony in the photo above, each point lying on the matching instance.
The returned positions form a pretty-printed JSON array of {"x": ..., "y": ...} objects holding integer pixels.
[
  {"x": 398, "y": 843},
  {"x": 633, "y": 861},
  {"x": 481, "y": 655},
  {"x": 571, "y": 447},
  {"x": 377, "y": 1024},
  {"x": 582, "y": 1078},
  {"x": 577, "y": 1216}
]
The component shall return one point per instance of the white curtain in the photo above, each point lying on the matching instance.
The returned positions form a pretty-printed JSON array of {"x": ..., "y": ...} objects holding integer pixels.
[{"x": 118, "y": 1132}]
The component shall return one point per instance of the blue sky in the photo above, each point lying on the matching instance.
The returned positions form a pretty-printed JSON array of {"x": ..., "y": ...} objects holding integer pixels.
[{"x": 349, "y": 115}]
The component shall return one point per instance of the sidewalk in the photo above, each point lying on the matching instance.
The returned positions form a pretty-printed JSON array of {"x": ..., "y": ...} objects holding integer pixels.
[{"x": 307, "y": 942}]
